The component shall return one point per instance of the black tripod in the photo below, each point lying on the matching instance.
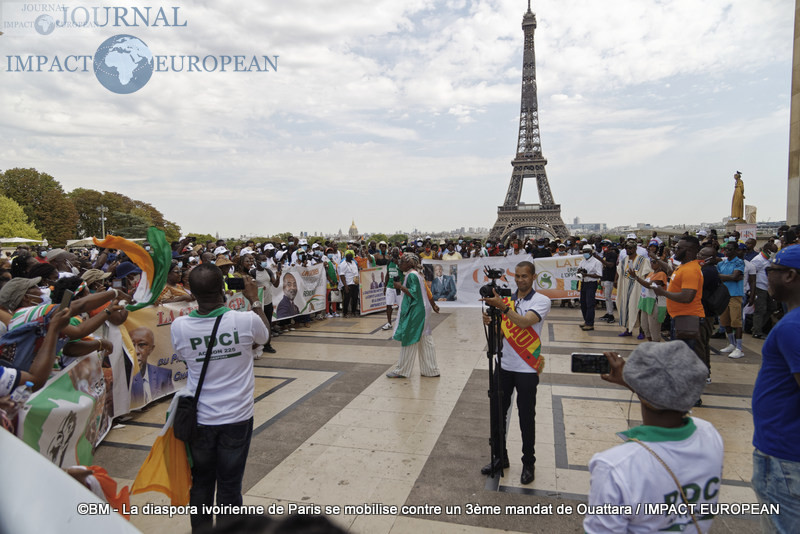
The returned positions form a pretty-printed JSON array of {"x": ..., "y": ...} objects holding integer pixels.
[{"x": 497, "y": 419}]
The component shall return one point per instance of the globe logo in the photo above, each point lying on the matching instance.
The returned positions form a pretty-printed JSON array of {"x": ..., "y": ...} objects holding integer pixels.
[
  {"x": 44, "y": 24},
  {"x": 123, "y": 64}
]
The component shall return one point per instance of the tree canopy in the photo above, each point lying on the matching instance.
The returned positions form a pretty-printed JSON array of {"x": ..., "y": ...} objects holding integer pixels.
[
  {"x": 14, "y": 222},
  {"x": 58, "y": 216},
  {"x": 125, "y": 216},
  {"x": 43, "y": 201}
]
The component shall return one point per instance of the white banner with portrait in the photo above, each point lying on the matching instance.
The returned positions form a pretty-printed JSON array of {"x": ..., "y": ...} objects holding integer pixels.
[
  {"x": 458, "y": 283},
  {"x": 301, "y": 291}
]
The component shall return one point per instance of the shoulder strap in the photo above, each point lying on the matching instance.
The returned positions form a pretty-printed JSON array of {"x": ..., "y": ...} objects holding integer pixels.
[
  {"x": 208, "y": 358},
  {"x": 677, "y": 483}
]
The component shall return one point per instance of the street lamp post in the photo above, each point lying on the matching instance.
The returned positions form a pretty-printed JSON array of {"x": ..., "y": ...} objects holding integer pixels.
[{"x": 102, "y": 210}]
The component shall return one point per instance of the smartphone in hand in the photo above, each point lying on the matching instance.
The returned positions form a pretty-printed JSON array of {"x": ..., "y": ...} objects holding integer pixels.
[{"x": 596, "y": 363}]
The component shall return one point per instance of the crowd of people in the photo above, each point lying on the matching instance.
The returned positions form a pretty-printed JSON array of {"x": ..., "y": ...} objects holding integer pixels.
[{"x": 677, "y": 289}]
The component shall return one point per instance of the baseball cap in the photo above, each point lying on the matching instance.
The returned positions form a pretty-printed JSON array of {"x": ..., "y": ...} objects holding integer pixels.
[
  {"x": 787, "y": 256},
  {"x": 587, "y": 248},
  {"x": 126, "y": 268},
  {"x": 702, "y": 233}
]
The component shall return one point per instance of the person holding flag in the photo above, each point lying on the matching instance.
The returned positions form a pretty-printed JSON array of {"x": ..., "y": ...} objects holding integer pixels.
[{"x": 523, "y": 315}]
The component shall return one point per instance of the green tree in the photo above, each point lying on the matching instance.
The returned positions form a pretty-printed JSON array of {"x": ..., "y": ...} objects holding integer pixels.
[
  {"x": 14, "y": 222},
  {"x": 129, "y": 226},
  {"x": 378, "y": 238},
  {"x": 43, "y": 200},
  {"x": 202, "y": 239},
  {"x": 398, "y": 238},
  {"x": 87, "y": 202}
]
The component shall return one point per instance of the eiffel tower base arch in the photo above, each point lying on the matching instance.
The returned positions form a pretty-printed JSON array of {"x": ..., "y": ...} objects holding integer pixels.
[{"x": 519, "y": 220}]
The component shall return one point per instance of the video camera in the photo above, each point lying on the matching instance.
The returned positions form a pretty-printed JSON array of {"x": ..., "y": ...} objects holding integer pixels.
[{"x": 487, "y": 290}]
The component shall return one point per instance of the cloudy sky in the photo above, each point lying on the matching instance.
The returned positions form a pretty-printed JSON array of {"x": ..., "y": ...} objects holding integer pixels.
[{"x": 405, "y": 114}]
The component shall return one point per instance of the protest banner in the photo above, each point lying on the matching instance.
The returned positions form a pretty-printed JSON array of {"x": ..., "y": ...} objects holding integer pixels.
[
  {"x": 72, "y": 413},
  {"x": 371, "y": 290},
  {"x": 746, "y": 231},
  {"x": 457, "y": 283},
  {"x": 301, "y": 291}
]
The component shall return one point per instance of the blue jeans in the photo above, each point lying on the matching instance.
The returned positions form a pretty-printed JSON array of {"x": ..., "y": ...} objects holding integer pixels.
[
  {"x": 777, "y": 481},
  {"x": 219, "y": 454}
]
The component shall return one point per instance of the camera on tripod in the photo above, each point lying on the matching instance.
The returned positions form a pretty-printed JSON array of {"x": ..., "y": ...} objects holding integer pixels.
[{"x": 488, "y": 289}]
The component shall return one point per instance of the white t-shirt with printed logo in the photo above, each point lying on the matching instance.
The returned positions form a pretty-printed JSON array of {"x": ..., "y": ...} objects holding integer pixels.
[
  {"x": 629, "y": 474},
  {"x": 540, "y": 305},
  {"x": 227, "y": 393}
]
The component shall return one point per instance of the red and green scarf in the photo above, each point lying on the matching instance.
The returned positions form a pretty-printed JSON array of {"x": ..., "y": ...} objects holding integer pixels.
[{"x": 524, "y": 341}]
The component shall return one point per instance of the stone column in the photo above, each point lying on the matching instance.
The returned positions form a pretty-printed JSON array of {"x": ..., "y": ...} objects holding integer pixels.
[{"x": 793, "y": 197}]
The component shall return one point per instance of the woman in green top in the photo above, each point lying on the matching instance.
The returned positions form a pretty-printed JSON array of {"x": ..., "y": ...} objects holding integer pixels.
[{"x": 413, "y": 331}]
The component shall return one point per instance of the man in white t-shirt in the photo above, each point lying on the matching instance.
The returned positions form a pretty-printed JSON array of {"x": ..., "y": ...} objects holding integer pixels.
[
  {"x": 225, "y": 405},
  {"x": 523, "y": 315},
  {"x": 668, "y": 379}
]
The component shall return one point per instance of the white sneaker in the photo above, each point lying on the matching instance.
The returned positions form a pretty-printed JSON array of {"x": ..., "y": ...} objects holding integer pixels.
[
  {"x": 387, "y": 326},
  {"x": 729, "y": 348},
  {"x": 330, "y": 316},
  {"x": 336, "y": 315},
  {"x": 736, "y": 354}
]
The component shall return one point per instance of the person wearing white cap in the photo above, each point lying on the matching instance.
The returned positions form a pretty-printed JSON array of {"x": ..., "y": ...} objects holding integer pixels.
[
  {"x": 670, "y": 459},
  {"x": 591, "y": 270},
  {"x": 303, "y": 245}
]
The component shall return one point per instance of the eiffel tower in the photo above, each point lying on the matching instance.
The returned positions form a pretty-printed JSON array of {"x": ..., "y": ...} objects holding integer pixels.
[{"x": 513, "y": 215}]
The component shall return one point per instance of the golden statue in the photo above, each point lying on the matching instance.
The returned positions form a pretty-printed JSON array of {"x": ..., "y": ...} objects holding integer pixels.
[{"x": 737, "y": 206}]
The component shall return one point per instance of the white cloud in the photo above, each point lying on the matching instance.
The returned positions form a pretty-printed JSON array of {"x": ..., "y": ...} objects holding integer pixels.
[{"x": 370, "y": 93}]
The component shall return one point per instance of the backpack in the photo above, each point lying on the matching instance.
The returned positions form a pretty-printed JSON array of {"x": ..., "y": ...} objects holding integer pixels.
[{"x": 717, "y": 301}]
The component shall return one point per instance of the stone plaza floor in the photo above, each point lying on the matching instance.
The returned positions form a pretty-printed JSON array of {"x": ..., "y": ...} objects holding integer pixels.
[{"x": 331, "y": 430}]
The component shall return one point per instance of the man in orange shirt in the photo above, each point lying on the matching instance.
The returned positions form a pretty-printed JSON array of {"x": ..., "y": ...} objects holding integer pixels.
[{"x": 684, "y": 295}]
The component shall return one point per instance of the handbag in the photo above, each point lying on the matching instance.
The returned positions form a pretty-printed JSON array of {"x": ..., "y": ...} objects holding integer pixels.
[
  {"x": 336, "y": 295},
  {"x": 687, "y": 326},
  {"x": 185, "y": 424}
]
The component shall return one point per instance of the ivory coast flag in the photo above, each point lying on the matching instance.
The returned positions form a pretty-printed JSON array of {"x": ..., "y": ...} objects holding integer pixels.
[
  {"x": 154, "y": 264},
  {"x": 166, "y": 469}
]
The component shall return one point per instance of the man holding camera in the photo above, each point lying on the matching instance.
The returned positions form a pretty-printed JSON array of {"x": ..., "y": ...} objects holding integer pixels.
[
  {"x": 225, "y": 405},
  {"x": 522, "y": 316}
]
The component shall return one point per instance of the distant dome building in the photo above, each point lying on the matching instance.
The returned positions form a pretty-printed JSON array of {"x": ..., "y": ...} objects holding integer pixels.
[{"x": 353, "y": 232}]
